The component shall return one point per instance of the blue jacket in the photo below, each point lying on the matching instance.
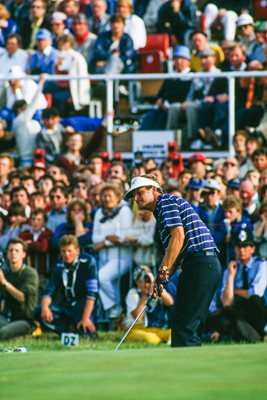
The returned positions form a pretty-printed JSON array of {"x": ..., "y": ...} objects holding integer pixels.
[
  {"x": 41, "y": 63},
  {"x": 4, "y": 32},
  {"x": 126, "y": 48},
  {"x": 216, "y": 226},
  {"x": 85, "y": 280}
]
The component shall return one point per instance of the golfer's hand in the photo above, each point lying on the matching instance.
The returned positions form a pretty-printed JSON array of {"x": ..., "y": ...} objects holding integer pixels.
[
  {"x": 47, "y": 314},
  {"x": 86, "y": 324},
  {"x": 157, "y": 290}
]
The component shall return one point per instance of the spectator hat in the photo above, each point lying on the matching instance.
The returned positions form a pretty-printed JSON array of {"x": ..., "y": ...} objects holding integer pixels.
[
  {"x": 80, "y": 18},
  {"x": 207, "y": 53},
  {"x": 195, "y": 184},
  {"x": 42, "y": 34},
  {"x": 243, "y": 237},
  {"x": 211, "y": 184},
  {"x": 233, "y": 183},
  {"x": 245, "y": 19},
  {"x": 182, "y": 51},
  {"x": 138, "y": 182},
  {"x": 58, "y": 16},
  {"x": 197, "y": 157}
]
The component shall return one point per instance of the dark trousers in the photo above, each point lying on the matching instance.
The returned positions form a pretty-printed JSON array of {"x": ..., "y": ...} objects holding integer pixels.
[
  {"x": 154, "y": 120},
  {"x": 226, "y": 321},
  {"x": 11, "y": 329},
  {"x": 65, "y": 316},
  {"x": 196, "y": 287}
]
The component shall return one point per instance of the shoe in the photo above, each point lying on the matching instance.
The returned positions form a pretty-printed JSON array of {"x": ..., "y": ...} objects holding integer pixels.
[
  {"x": 37, "y": 332},
  {"x": 123, "y": 90},
  {"x": 115, "y": 311},
  {"x": 196, "y": 145},
  {"x": 247, "y": 331},
  {"x": 209, "y": 136}
]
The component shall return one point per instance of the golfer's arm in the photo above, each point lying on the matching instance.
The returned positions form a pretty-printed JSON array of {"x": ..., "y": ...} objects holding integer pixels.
[{"x": 175, "y": 245}]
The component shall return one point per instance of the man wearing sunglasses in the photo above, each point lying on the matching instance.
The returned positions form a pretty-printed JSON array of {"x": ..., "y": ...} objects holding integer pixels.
[{"x": 57, "y": 214}]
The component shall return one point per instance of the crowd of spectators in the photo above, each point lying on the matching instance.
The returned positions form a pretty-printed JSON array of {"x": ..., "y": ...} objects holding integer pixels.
[
  {"x": 64, "y": 225},
  {"x": 74, "y": 38},
  {"x": 45, "y": 205}
]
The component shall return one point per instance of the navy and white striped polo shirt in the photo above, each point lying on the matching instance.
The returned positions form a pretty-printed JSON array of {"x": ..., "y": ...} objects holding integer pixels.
[{"x": 172, "y": 211}]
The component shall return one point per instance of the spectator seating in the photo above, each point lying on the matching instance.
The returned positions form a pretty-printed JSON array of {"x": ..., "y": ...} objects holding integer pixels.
[{"x": 153, "y": 56}]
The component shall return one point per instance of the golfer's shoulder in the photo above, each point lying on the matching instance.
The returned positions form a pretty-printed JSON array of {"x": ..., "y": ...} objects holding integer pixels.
[{"x": 171, "y": 200}]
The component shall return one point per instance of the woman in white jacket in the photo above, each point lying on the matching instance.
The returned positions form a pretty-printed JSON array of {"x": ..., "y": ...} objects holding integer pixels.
[
  {"x": 112, "y": 223},
  {"x": 72, "y": 63}
]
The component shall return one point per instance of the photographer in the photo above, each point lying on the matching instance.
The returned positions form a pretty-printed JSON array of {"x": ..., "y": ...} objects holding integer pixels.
[
  {"x": 153, "y": 326},
  {"x": 18, "y": 288}
]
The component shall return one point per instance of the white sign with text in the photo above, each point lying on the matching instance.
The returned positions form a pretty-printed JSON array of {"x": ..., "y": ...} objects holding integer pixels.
[
  {"x": 70, "y": 339},
  {"x": 153, "y": 144}
]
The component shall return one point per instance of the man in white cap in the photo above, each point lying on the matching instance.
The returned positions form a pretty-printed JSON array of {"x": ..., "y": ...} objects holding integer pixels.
[
  {"x": 58, "y": 26},
  {"x": 245, "y": 24},
  {"x": 188, "y": 243},
  {"x": 18, "y": 88},
  {"x": 211, "y": 211}
]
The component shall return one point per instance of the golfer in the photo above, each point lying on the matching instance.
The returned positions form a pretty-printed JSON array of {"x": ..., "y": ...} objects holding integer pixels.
[{"x": 188, "y": 243}]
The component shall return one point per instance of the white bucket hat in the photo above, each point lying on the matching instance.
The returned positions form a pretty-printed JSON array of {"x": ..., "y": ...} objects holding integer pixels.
[
  {"x": 138, "y": 182},
  {"x": 245, "y": 19}
]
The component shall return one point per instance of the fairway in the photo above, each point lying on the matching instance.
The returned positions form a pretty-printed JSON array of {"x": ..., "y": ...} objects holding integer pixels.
[{"x": 209, "y": 372}]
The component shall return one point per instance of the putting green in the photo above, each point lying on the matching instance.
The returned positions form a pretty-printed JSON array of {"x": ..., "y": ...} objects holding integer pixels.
[{"x": 210, "y": 372}]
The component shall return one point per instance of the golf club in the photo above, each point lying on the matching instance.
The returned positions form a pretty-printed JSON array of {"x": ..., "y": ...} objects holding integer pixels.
[{"x": 136, "y": 319}]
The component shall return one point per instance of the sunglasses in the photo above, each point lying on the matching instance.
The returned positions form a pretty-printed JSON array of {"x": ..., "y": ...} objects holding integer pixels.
[{"x": 209, "y": 193}]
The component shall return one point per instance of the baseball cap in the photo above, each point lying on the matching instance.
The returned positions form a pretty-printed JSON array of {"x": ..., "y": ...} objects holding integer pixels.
[
  {"x": 182, "y": 51},
  {"x": 233, "y": 183},
  {"x": 138, "y": 182},
  {"x": 197, "y": 157},
  {"x": 245, "y": 19},
  {"x": 195, "y": 184},
  {"x": 243, "y": 237},
  {"x": 211, "y": 184},
  {"x": 42, "y": 34},
  {"x": 207, "y": 52}
]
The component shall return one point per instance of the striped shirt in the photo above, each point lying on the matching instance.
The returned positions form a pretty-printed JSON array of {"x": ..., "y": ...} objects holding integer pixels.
[{"x": 172, "y": 211}]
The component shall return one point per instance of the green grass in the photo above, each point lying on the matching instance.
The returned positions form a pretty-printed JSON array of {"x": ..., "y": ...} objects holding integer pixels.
[{"x": 93, "y": 371}]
